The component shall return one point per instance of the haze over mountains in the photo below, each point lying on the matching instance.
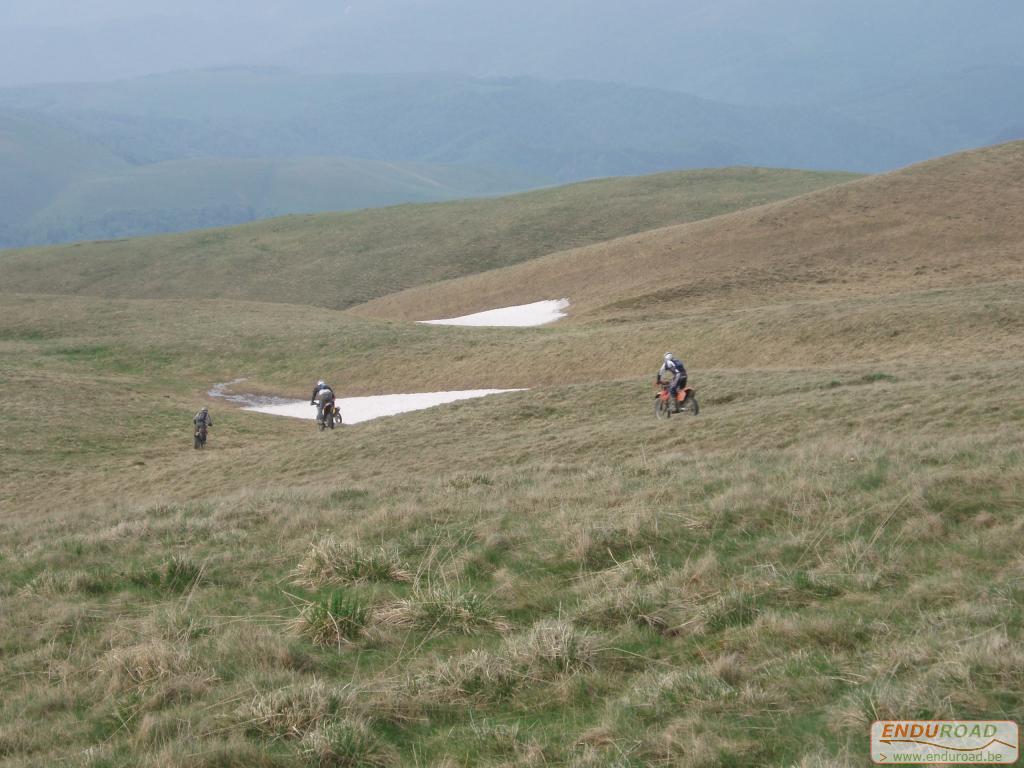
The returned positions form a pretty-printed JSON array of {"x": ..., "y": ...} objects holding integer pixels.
[
  {"x": 748, "y": 51},
  {"x": 532, "y": 94}
]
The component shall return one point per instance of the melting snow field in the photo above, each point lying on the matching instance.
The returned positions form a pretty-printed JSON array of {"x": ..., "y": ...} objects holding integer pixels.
[
  {"x": 521, "y": 316},
  {"x": 357, "y": 409}
]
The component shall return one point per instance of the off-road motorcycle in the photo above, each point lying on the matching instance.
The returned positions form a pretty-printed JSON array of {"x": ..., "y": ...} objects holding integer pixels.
[
  {"x": 330, "y": 418},
  {"x": 686, "y": 401}
]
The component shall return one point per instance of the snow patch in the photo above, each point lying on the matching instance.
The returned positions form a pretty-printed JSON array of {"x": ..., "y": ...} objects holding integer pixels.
[
  {"x": 357, "y": 409},
  {"x": 519, "y": 316}
]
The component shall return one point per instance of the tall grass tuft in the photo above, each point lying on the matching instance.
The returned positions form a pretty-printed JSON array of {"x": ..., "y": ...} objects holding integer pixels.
[
  {"x": 329, "y": 561},
  {"x": 293, "y": 712},
  {"x": 442, "y": 607},
  {"x": 346, "y": 743},
  {"x": 138, "y": 667},
  {"x": 553, "y": 645},
  {"x": 333, "y": 619},
  {"x": 178, "y": 574}
]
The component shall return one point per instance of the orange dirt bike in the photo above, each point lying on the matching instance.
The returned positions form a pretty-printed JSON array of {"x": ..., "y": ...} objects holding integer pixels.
[
  {"x": 686, "y": 401},
  {"x": 331, "y": 417},
  {"x": 199, "y": 438}
]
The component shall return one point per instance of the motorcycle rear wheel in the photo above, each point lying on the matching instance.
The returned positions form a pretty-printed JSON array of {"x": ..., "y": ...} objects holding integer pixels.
[{"x": 690, "y": 405}]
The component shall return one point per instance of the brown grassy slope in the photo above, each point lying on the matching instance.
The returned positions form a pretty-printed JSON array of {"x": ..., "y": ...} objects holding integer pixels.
[
  {"x": 943, "y": 223},
  {"x": 341, "y": 259}
]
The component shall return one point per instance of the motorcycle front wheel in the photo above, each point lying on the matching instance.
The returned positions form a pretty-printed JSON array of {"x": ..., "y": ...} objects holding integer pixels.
[{"x": 661, "y": 408}]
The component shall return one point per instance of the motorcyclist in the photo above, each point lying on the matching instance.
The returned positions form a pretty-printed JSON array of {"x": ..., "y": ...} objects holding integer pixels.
[
  {"x": 675, "y": 368},
  {"x": 321, "y": 397},
  {"x": 202, "y": 421}
]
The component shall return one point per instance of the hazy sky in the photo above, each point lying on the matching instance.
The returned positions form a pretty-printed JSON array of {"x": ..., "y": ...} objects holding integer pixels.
[{"x": 738, "y": 50}]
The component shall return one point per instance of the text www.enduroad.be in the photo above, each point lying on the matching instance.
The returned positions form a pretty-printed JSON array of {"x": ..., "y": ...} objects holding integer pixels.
[{"x": 947, "y": 757}]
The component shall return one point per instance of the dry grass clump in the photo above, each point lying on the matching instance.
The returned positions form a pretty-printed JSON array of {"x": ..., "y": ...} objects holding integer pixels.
[
  {"x": 291, "y": 713},
  {"x": 440, "y": 607},
  {"x": 641, "y": 567},
  {"x": 590, "y": 756},
  {"x": 346, "y": 743},
  {"x": 254, "y": 646},
  {"x": 500, "y": 737},
  {"x": 692, "y": 742},
  {"x": 676, "y": 603},
  {"x": 332, "y": 620},
  {"x": 647, "y": 715},
  {"x": 329, "y": 561},
  {"x": 551, "y": 649},
  {"x": 553, "y": 645},
  {"x": 140, "y": 666},
  {"x": 124, "y": 529},
  {"x": 660, "y": 694},
  {"x": 478, "y": 674},
  {"x": 156, "y": 728},
  {"x": 824, "y": 760},
  {"x": 863, "y": 563},
  {"x": 657, "y": 606},
  {"x": 53, "y": 583},
  {"x": 178, "y": 574},
  {"x": 607, "y": 546},
  {"x": 15, "y": 739}
]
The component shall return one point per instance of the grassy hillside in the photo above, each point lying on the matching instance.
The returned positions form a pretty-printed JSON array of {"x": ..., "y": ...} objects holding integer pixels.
[
  {"x": 182, "y": 195},
  {"x": 550, "y": 577},
  {"x": 943, "y": 223},
  {"x": 345, "y": 259}
]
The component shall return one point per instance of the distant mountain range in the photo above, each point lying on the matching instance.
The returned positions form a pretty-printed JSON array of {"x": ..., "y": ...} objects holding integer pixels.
[{"x": 214, "y": 147}]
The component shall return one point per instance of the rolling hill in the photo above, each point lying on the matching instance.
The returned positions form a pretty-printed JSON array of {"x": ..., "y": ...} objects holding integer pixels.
[
  {"x": 947, "y": 222},
  {"x": 339, "y": 260}
]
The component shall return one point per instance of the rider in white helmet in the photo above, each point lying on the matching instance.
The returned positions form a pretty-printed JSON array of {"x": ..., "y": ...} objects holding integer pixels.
[{"x": 675, "y": 368}]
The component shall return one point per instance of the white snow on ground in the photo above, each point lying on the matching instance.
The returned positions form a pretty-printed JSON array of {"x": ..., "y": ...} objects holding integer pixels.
[
  {"x": 357, "y": 409},
  {"x": 521, "y": 316}
]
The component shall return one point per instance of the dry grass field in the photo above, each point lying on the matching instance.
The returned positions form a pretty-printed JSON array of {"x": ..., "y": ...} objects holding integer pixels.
[{"x": 545, "y": 578}]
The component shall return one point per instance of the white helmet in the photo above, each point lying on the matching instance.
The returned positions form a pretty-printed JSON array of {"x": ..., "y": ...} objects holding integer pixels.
[
  {"x": 321, "y": 383},
  {"x": 668, "y": 355}
]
